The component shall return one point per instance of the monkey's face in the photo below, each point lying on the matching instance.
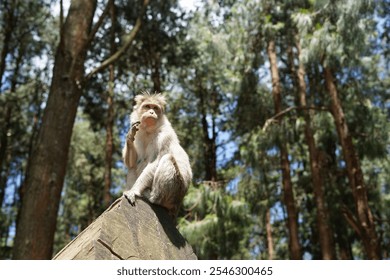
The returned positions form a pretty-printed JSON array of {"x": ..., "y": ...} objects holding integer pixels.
[{"x": 149, "y": 114}]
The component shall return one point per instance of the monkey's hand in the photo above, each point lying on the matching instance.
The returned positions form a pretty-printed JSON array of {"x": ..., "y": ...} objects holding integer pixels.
[
  {"x": 130, "y": 195},
  {"x": 132, "y": 132}
]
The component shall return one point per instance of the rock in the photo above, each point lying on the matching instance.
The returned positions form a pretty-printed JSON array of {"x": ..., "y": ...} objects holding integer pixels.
[{"x": 144, "y": 232}]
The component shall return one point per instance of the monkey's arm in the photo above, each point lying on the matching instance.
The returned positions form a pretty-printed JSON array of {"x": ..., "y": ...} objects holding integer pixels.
[
  {"x": 130, "y": 155},
  {"x": 129, "y": 151}
]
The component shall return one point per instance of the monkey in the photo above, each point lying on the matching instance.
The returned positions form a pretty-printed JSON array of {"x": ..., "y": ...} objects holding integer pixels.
[{"x": 159, "y": 169}]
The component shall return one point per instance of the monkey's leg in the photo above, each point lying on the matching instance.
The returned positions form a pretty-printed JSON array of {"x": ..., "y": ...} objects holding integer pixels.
[
  {"x": 131, "y": 178},
  {"x": 168, "y": 187},
  {"x": 143, "y": 182}
]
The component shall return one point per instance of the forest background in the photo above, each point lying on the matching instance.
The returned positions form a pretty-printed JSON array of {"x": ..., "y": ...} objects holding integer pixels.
[{"x": 282, "y": 106}]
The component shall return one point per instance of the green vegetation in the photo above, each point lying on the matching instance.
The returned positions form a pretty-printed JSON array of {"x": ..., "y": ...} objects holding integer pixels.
[{"x": 282, "y": 106}]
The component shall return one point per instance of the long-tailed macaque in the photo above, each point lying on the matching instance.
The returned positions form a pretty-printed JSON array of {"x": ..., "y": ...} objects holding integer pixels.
[{"x": 158, "y": 167}]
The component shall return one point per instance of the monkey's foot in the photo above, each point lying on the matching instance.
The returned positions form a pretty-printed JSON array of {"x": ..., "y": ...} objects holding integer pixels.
[{"x": 130, "y": 196}]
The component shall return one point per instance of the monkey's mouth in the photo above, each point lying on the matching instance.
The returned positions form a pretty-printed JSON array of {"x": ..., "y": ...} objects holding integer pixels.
[{"x": 150, "y": 121}]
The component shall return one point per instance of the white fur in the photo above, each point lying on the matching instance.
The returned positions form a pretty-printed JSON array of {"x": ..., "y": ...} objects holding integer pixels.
[{"x": 159, "y": 168}]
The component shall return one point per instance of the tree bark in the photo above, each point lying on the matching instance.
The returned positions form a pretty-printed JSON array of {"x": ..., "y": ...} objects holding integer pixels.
[
  {"x": 156, "y": 64},
  {"x": 270, "y": 242},
  {"x": 110, "y": 115},
  {"x": 43, "y": 185},
  {"x": 292, "y": 215},
  {"x": 363, "y": 223},
  {"x": 9, "y": 16},
  {"x": 324, "y": 230},
  {"x": 9, "y": 22},
  {"x": 9, "y": 110},
  {"x": 209, "y": 143},
  {"x": 3, "y": 151}
]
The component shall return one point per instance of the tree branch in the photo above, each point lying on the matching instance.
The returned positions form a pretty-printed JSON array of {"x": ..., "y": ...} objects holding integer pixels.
[
  {"x": 348, "y": 215},
  {"x": 128, "y": 41},
  {"x": 99, "y": 22},
  {"x": 285, "y": 111}
]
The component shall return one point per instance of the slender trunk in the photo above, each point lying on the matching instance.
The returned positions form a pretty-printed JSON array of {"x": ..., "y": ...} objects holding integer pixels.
[
  {"x": 9, "y": 14},
  {"x": 38, "y": 212},
  {"x": 156, "y": 78},
  {"x": 268, "y": 224},
  {"x": 210, "y": 153},
  {"x": 324, "y": 230},
  {"x": 270, "y": 242},
  {"x": 292, "y": 215},
  {"x": 363, "y": 223},
  {"x": 110, "y": 116},
  {"x": 212, "y": 143},
  {"x": 3, "y": 151},
  {"x": 5, "y": 135},
  {"x": 209, "y": 143},
  {"x": 109, "y": 141}
]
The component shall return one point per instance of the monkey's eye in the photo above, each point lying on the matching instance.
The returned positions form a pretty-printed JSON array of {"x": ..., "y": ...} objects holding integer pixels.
[{"x": 151, "y": 106}]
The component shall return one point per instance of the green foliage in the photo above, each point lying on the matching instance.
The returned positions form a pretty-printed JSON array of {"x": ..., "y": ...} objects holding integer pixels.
[
  {"x": 212, "y": 64},
  {"x": 337, "y": 33},
  {"x": 216, "y": 224}
]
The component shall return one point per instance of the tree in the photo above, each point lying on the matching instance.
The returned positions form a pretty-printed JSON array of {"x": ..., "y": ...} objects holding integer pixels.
[
  {"x": 110, "y": 113},
  {"x": 324, "y": 229},
  {"x": 292, "y": 222},
  {"x": 338, "y": 42},
  {"x": 17, "y": 47},
  {"x": 365, "y": 223},
  {"x": 321, "y": 100},
  {"x": 46, "y": 170},
  {"x": 206, "y": 86},
  {"x": 42, "y": 189}
]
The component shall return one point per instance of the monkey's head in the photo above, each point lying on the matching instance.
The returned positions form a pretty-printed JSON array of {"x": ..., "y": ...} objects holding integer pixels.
[{"x": 149, "y": 109}]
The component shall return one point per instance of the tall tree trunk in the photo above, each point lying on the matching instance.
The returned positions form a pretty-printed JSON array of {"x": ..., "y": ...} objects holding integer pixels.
[
  {"x": 9, "y": 20},
  {"x": 156, "y": 63},
  {"x": 210, "y": 151},
  {"x": 209, "y": 142},
  {"x": 270, "y": 242},
  {"x": 324, "y": 230},
  {"x": 109, "y": 141},
  {"x": 43, "y": 185},
  {"x": 9, "y": 8},
  {"x": 292, "y": 216},
  {"x": 268, "y": 224},
  {"x": 3, "y": 151},
  {"x": 110, "y": 116},
  {"x": 9, "y": 110},
  {"x": 363, "y": 223}
]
